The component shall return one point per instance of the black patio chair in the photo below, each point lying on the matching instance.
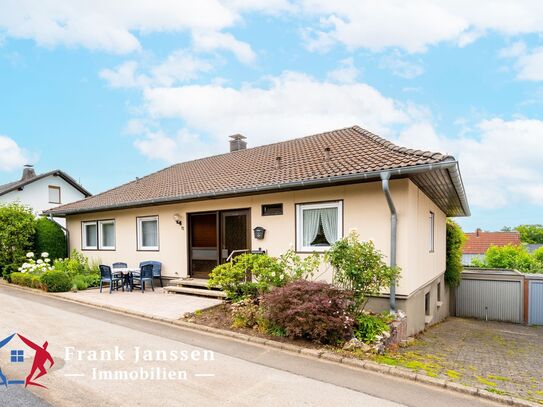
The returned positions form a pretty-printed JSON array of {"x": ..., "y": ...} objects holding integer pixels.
[
  {"x": 106, "y": 276},
  {"x": 146, "y": 274},
  {"x": 157, "y": 269}
]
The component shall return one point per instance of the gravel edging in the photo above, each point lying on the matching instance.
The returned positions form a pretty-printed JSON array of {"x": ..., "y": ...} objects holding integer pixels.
[{"x": 359, "y": 364}]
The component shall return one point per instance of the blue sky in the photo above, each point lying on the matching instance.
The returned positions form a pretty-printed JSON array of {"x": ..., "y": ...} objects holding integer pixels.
[{"x": 108, "y": 92}]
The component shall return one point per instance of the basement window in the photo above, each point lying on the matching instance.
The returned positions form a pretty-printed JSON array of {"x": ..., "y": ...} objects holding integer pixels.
[{"x": 427, "y": 304}]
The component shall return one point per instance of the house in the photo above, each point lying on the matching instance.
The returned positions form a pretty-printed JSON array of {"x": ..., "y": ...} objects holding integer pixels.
[
  {"x": 43, "y": 191},
  {"x": 304, "y": 194},
  {"x": 479, "y": 242}
]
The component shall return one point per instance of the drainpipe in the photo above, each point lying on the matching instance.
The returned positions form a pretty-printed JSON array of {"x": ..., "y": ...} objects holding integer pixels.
[
  {"x": 66, "y": 231},
  {"x": 385, "y": 177}
]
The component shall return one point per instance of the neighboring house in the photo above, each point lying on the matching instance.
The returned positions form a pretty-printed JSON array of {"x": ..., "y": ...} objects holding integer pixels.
[
  {"x": 43, "y": 191},
  {"x": 303, "y": 194},
  {"x": 479, "y": 242}
]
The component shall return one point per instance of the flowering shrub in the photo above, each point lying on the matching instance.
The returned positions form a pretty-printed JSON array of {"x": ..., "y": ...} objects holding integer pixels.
[
  {"x": 311, "y": 310},
  {"x": 36, "y": 267}
]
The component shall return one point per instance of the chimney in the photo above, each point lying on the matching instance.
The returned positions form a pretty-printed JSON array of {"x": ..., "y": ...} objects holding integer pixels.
[
  {"x": 28, "y": 172},
  {"x": 477, "y": 232},
  {"x": 237, "y": 142}
]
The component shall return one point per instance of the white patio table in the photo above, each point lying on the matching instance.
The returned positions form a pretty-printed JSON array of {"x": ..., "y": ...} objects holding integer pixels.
[{"x": 127, "y": 273}]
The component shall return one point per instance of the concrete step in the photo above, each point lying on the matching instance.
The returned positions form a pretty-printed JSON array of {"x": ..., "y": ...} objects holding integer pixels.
[
  {"x": 190, "y": 282},
  {"x": 196, "y": 291}
]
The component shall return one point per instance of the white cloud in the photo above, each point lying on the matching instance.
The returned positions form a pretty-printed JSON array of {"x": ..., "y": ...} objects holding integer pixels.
[
  {"x": 501, "y": 166},
  {"x": 11, "y": 155},
  {"x": 179, "y": 66},
  {"x": 211, "y": 41},
  {"x": 417, "y": 24},
  {"x": 346, "y": 72},
  {"x": 529, "y": 63},
  {"x": 108, "y": 25},
  {"x": 293, "y": 104},
  {"x": 401, "y": 67}
]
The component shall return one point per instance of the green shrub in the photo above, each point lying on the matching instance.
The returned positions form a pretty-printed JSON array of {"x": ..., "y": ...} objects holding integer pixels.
[
  {"x": 92, "y": 280},
  {"x": 56, "y": 281},
  {"x": 76, "y": 264},
  {"x": 79, "y": 283},
  {"x": 16, "y": 236},
  {"x": 312, "y": 310},
  {"x": 22, "y": 279},
  {"x": 531, "y": 234},
  {"x": 509, "y": 257},
  {"x": 359, "y": 267},
  {"x": 50, "y": 239},
  {"x": 455, "y": 241},
  {"x": 246, "y": 314},
  {"x": 369, "y": 327}
]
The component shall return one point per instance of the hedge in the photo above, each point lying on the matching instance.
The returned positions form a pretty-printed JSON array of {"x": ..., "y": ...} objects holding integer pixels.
[{"x": 50, "y": 238}]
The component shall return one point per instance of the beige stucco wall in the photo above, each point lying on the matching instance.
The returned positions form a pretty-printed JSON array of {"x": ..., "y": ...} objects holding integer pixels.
[{"x": 365, "y": 210}]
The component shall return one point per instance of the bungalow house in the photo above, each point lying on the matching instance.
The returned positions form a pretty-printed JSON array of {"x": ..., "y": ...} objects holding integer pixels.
[
  {"x": 42, "y": 191},
  {"x": 304, "y": 194},
  {"x": 478, "y": 242}
]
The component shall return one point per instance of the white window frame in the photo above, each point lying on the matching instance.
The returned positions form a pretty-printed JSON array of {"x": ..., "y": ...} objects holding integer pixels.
[
  {"x": 299, "y": 224},
  {"x": 84, "y": 245},
  {"x": 101, "y": 223},
  {"x": 432, "y": 220},
  {"x": 57, "y": 189},
  {"x": 140, "y": 233}
]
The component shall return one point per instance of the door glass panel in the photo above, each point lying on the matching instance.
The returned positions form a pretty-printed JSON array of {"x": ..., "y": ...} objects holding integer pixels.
[
  {"x": 204, "y": 246},
  {"x": 234, "y": 236}
]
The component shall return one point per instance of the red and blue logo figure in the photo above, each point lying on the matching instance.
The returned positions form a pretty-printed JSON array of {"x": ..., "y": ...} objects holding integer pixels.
[{"x": 41, "y": 357}]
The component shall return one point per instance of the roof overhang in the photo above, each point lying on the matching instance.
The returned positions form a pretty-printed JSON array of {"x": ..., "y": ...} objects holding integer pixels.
[{"x": 441, "y": 182}]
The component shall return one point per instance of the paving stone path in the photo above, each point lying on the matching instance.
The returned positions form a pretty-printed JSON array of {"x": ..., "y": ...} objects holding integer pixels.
[{"x": 499, "y": 357}]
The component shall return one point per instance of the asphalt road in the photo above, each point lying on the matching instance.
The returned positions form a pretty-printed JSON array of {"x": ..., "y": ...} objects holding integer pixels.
[
  {"x": 18, "y": 396},
  {"x": 239, "y": 374}
]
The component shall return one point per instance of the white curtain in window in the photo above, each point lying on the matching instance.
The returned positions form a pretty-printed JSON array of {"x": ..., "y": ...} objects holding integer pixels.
[
  {"x": 90, "y": 234},
  {"x": 108, "y": 235},
  {"x": 149, "y": 233},
  {"x": 311, "y": 221},
  {"x": 329, "y": 219}
]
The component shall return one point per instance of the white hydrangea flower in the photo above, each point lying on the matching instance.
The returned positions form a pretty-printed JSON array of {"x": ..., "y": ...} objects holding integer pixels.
[
  {"x": 47, "y": 260},
  {"x": 45, "y": 255},
  {"x": 30, "y": 255},
  {"x": 40, "y": 261}
]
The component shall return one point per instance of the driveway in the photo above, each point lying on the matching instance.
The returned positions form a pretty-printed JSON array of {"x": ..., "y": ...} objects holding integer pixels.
[
  {"x": 240, "y": 373},
  {"x": 499, "y": 357},
  {"x": 156, "y": 303}
]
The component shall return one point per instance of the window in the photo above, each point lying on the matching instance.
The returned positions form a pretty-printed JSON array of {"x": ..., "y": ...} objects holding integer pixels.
[
  {"x": 106, "y": 234},
  {"x": 439, "y": 291},
  {"x": 89, "y": 238},
  {"x": 54, "y": 194},
  {"x": 427, "y": 304},
  {"x": 318, "y": 226},
  {"x": 148, "y": 233},
  {"x": 272, "y": 209},
  {"x": 432, "y": 231},
  {"x": 17, "y": 356}
]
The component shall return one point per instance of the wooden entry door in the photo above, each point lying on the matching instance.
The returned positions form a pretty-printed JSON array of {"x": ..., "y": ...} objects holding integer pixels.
[
  {"x": 213, "y": 236},
  {"x": 203, "y": 243},
  {"x": 235, "y": 233}
]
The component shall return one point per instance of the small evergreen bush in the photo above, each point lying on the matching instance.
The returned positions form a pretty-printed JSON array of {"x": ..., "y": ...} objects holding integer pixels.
[{"x": 56, "y": 281}]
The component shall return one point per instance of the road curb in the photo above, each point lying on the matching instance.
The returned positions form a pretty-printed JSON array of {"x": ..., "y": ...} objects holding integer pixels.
[{"x": 331, "y": 357}]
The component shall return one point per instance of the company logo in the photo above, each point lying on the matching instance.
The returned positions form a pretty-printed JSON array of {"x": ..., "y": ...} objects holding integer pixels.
[{"x": 19, "y": 352}]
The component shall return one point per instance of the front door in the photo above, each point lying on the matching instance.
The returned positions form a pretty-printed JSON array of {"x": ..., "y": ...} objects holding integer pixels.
[
  {"x": 235, "y": 233},
  {"x": 213, "y": 236}
]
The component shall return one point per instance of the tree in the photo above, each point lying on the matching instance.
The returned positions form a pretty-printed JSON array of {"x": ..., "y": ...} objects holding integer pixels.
[
  {"x": 455, "y": 241},
  {"x": 509, "y": 257},
  {"x": 359, "y": 267},
  {"x": 50, "y": 238},
  {"x": 17, "y": 228},
  {"x": 530, "y": 234}
]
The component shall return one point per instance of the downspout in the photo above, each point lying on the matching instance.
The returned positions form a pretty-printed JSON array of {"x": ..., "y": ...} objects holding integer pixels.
[
  {"x": 385, "y": 177},
  {"x": 66, "y": 231}
]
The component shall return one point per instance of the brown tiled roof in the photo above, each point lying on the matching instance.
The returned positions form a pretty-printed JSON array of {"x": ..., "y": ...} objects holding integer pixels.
[
  {"x": 479, "y": 243},
  {"x": 352, "y": 151}
]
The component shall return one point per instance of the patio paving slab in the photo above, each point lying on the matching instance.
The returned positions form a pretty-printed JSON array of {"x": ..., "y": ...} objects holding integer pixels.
[{"x": 158, "y": 304}]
